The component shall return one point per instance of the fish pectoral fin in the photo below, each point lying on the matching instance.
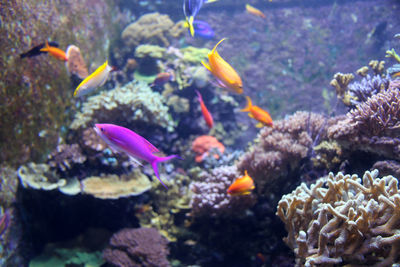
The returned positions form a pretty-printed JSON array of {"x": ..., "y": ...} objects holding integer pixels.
[
  {"x": 259, "y": 125},
  {"x": 250, "y": 115},
  {"x": 206, "y": 65},
  {"x": 191, "y": 28},
  {"x": 135, "y": 160}
]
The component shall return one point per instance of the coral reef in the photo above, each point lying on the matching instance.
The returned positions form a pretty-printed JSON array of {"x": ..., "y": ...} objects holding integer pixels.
[
  {"x": 114, "y": 186},
  {"x": 344, "y": 220},
  {"x": 204, "y": 145},
  {"x": 65, "y": 156},
  {"x": 359, "y": 92},
  {"x": 278, "y": 151},
  {"x": 125, "y": 105},
  {"x": 39, "y": 176},
  {"x": 210, "y": 197},
  {"x": 137, "y": 247},
  {"x": 152, "y": 28}
]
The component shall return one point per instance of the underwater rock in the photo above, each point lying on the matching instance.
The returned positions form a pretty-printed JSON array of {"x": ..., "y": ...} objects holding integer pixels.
[
  {"x": 343, "y": 219},
  {"x": 114, "y": 186},
  {"x": 142, "y": 247}
]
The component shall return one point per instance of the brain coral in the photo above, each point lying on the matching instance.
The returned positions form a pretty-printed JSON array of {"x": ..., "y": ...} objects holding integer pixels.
[
  {"x": 344, "y": 220},
  {"x": 132, "y": 102}
]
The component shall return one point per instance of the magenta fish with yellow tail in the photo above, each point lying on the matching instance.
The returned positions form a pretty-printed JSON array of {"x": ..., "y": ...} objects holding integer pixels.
[{"x": 121, "y": 139}]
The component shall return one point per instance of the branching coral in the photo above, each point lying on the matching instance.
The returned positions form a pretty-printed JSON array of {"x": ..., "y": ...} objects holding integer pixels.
[
  {"x": 134, "y": 101},
  {"x": 279, "y": 150},
  {"x": 343, "y": 220},
  {"x": 360, "y": 91},
  {"x": 210, "y": 197},
  {"x": 137, "y": 247}
]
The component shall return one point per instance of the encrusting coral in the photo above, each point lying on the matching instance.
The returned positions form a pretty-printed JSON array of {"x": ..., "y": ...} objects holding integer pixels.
[
  {"x": 142, "y": 247},
  {"x": 114, "y": 186},
  {"x": 204, "y": 145},
  {"x": 39, "y": 176},
  {"x": 132, "y": 102},
  {"x": 344, "y": 220}
]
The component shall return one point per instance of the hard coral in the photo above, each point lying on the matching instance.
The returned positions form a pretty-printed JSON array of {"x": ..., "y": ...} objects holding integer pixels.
[
  {"x": 344, "y": 220},
  {"x": 76, "y": 64},
  {"x": 210, "y": 197},
  {"x": 65, "y": 156},
  {"x": 278, "y": 151},
  {"x": 204, "y": 144},
  {"x": 137, "y": 247}
]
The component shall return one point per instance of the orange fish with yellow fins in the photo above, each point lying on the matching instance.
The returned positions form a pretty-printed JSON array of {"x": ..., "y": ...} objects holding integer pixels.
[
  {"x": 258, "y": 113},
  {"x": 254, "y": 11},
  {"x": 226, "y": 76},
  {"x": 241, "y": 186},
  {"x": 55, "y": 52}
]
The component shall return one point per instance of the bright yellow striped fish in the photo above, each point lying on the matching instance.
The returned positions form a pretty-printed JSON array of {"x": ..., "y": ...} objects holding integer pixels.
[{"x": 94, "y": 80}]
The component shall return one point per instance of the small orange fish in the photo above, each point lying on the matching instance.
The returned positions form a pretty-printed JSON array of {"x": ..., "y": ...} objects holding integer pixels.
[
  {"x": 241, "y": 186},
  {"x": 258, "y": 113},
  {"x": 254, "y": 11},
  {"x": 395, "y": 75},
  {"x": 226, "y": 76},
  {"x": 162, "y": 78},
  {"x": 206, "y": 114},
  {"x": 55, "y": 52}
]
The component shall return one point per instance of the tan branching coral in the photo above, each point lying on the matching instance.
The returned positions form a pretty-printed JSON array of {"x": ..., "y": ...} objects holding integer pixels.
[
  {"x": 340, "y": 82},
  {"x": 134, "y": 101},
  {"x": 114, "y": 187},
  {"x": 344, "y": 220},
  {"x": 278, "y": 151},
  {"x": 377, "y": 66},
  {"x": 152, "y": 28}
]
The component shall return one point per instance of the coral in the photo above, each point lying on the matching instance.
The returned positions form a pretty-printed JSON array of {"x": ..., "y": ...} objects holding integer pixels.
[
  {"x": 152, "y": 28},
  {"x": 76, "y": 64},
  {"x": 153, "y": 51},
  {"x": 328, "y": 155},
  {"x": 210, "y": 197},
  {"x": 133, "y": 102},
  {"x": 278, "y": 151},
  {"x": 340, "y": 82},
  {"x": 178, "y": 104},
  {"x": 344, "y": 220},
  {"x": 193, "y": 54},
  {"x": 387, "y": 167},
  {"x": 65, "y": 156},
  {"x": 360, "y": 91},
  {"x": 92, "y": 141},
  {"x": 392, "y": 53},
  {"x": 114, "y": 187},
  {"x": 8, "y": 186},
  {"x": 377, "y": 66},
  {"x": 39, "y": 176},
  {"x": 137, "y": 247},
  {"x": 203, "y": 145}
]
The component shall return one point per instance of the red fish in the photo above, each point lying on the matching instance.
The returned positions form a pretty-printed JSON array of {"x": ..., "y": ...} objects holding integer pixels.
[{"x": 206, "y": 114}]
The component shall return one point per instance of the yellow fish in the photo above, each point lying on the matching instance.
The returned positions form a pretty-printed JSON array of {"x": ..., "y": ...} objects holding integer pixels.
[
  {"x": 226, "y": 76},
  {"x": 94, "y": 80},
  {"x": 254, "y": 11}
]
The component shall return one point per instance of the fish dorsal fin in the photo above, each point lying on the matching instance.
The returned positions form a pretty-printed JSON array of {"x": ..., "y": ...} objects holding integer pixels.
[{"x": 215, "y": 47}]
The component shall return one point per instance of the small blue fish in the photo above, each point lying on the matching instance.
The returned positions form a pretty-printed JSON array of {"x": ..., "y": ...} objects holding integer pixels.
[
  {"x": 191, "y": 8},
  {"x": 202, "y": 29}
]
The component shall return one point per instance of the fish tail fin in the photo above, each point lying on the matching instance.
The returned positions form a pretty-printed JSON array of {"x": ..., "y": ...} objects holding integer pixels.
[
  {"x": 249, "y": 105},
  {"x": 206, "y": 65},
  {"x": 210, "y": 1},
  {"x": 215, "y": 47},
  {"x": 191, "y": 28},
  {"x": 199, "y": 96},
  {"x": 155, "y": 166}
]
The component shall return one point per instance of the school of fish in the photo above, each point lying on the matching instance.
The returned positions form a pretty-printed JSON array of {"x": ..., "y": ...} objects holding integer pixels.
[{"x": 124, "y": 140}]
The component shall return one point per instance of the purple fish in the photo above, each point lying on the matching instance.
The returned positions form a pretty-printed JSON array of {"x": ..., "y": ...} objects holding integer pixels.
[{"x": 124, "y": 140}]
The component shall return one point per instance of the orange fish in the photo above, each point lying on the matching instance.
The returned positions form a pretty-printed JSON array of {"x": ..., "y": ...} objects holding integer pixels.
[
  {"x": 55, "y": 52},
  {"x": 258, "y": 113},
  {"x": 162, "y": 78},
  {"x": 206, "y": 114},
  {"x": 254, "y": 11},
  {"x": 226, "y": 76},
  {"x": 241, "y": 186}
]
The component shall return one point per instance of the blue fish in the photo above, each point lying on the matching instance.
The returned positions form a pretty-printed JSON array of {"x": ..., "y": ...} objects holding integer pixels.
[
  {"x": 191, "y": 8},
  {"x": 203, "y": 29}
]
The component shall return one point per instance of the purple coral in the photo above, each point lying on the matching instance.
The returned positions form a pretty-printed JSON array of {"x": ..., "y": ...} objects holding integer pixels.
[
  {"x": 210, "y": 197},
  {"x": 361, "y": 91},
  {"x": 137, "y": 247}
]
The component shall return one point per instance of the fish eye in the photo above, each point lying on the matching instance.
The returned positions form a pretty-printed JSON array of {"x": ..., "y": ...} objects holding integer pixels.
[{"x": 102, "y": 129}]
